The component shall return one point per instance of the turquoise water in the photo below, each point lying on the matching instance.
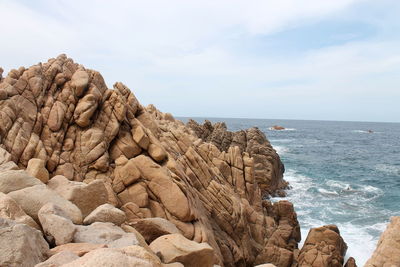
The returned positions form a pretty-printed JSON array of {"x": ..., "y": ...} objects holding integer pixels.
[{"x": 340, "y": 174}]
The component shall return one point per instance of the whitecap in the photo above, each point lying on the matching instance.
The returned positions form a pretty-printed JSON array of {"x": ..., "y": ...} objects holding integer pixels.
[
  {"x": 281, "y": 140},
  {"x": 327, "y": 192},
  {"x": 281, "y": 149},
  {"x": 361, "y": 243}
]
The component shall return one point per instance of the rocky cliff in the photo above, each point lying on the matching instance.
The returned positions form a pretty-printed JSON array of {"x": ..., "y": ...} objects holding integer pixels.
[
  {"x": 387, "y": 253},
  {"x": 90, "y": 177},
  {"x": 85, "y": 146}
]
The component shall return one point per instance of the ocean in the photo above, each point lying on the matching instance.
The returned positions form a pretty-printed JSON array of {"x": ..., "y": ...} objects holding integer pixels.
[{"x": 340, "y": 173}]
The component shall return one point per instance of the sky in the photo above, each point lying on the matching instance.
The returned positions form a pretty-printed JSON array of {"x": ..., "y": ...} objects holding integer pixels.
[{"x": 286, "y": 59}]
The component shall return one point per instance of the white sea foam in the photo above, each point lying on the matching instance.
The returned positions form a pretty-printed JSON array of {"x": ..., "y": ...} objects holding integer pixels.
[
  {"x": 361, "y": 243},
  {"x": 327, "y": 192},
  {"x": 281, "y": 149},
  {"x": 281, "y": 140},
  {"x": 361, "y": 240}
]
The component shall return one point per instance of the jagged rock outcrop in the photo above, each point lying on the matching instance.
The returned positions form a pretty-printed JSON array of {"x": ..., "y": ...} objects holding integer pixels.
[
  {"x": 387, "y": 252},
  {"x": 324, "y": 247},
  {"x": 268, "y": 168},
  {"x": 94, "y": 139}
]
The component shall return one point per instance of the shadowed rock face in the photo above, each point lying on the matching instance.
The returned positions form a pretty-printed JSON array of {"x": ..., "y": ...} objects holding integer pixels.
[
  {"x": 268, "y": 168},
  {"x": 151, "y": 164}
]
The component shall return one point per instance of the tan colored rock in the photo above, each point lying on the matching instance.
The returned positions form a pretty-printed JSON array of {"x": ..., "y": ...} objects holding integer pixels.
[
  {"x": 21, "y": 245},
  {"x": 78, "y": 249},
  {"x": 127, "y": 256},
  {"x": 176, "y": 248},
  {"x": 85, "y": 109},
  {"x": 105, "y": 233},
  {"x": 15, "y": 180},
  {"x": 351, "y": 262},
  {"x": 323, "y": 247},
  {"x": 137, "y": 194},
  {"x": 140, "y": 137},
  {"x": 62, "y": 113},
  {"x": 152, "y": 228},
  {"x": 124, "y": 145},
  {"x": 79, "y": 82},
  {"x": 9, "y": 209},
  {"x": 106, "y": 213},
  {"x": 37, "y": 169},
  {"x": 56, "y": 224},
  {"x": 58, "y": 259},
  {"x": 86, "y": 197},
  {"x": 157, "y": 153},
  {"x": 128, "y": 173},
  {"x": 174, "y": 264},
  {"x": 32, "y": 199},
  {"x": 387, "y": 250}
]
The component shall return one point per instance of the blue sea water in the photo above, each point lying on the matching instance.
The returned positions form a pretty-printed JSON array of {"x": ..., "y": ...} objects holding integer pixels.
[{"x": 340, "y": 173}]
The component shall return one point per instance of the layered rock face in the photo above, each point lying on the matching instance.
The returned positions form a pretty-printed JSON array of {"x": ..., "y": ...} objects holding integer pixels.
[
  {"x": 268, "y": 168},
  {"x": 95, "y": 146}
]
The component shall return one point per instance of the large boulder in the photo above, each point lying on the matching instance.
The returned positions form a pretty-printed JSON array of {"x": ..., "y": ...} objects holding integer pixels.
[
  {"x": 32, "y": 199},
  {"x": 387, "y": 252},
  {"x": 15, "y": 180},
  {"x": 21, "y": 245},
  {"x": 105, "y": 233},
  {"x": 78, "y": 249},
  {"x": 152, "y": 228},
  {"x": 56, "y": 224},
  {"x": 58, "y": 259},
  {"x": 106, "y": 213},
  {"x": 86, "y": 197},
  {"x": 127, "y": 256},
  {"x": 324, "y": 247},
  {"x": 9, "y": 209},
  {"x": 36, "y": 168},
  {"x": 176, "y": 248}
]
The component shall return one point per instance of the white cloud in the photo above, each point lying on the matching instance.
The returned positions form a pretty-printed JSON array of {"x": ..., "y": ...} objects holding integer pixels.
[{"x": 165, "y": 48}]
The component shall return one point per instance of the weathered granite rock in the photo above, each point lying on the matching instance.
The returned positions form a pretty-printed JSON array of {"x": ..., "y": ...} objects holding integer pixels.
[
  {"x": 32, "y": 199},
  {"x": 268, "y": 168},
  {"x": 351, "y": 262},
  {"x": 106, "y": 213},
  {"x": 210, "y": 189},
  {"x": 21, "y": 245},
  {"x": 58, "y": 259},
  {"x": 15, "y": 180},
  {"x": 127, "y": 256},
  {"x": 9, "y": 209},
  {"x": 56, "y": 224},
  {"x": 78, "y": 249},
  {"x": 152, "y": 228},
  {"x": 387, "y": 252},
  {"x": 324, "y": 247},
  {"x": 105, "y": 233},
  {"x": 37, "y": 169},
  {"x": 86, "y": 197},
  {"x": 176, "y": 248}
]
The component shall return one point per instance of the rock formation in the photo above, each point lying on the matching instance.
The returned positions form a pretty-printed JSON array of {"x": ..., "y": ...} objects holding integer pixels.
[
  {"x": 85, "y": 146},
  {"x": 323, "y": 247},
  {"x": 268, "y": 168},
  {"x": 387, "y": 253}
]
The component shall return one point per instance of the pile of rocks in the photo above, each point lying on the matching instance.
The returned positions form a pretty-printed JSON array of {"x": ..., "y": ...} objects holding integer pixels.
[{"x": 89, "y": 177}]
